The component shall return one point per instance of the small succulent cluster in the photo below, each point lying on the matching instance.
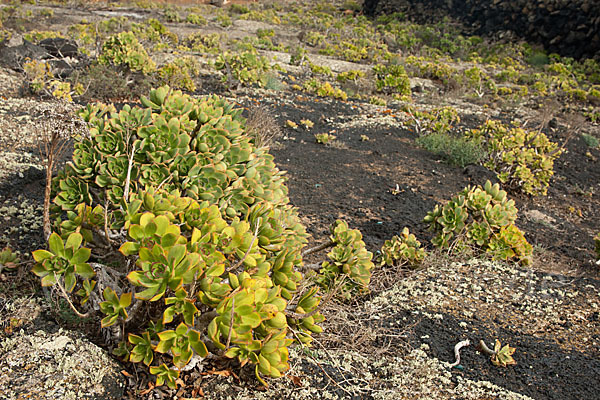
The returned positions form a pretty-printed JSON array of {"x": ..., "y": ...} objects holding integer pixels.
[
  {"x": 124, "y": 49},
  {"x": 8, "y": 259},
  {"x": 481, "y": 217},
  {"x": 179, "y": 73},
  {"x": 177, "y": 228},
  {"x": 348, "y": 260},
  {"x": 203, "y": 43},
  {"x": 440, "y": 120},
  {"x": 324, "y": 89},
  {"x": 324, "y": 138},
  {"x": 523, "y": 160},
  {"x": 352, "y": 75},
  {"x": 41, "y": 80},
  {"x": 503, "y": 355},
  {"x": 247, "y": 68},
  {"x": 391, "y": 79},
  {"x": 402, "y": 250}
]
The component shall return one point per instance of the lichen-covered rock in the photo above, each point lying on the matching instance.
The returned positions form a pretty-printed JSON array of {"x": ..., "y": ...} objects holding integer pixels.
[{"x": 61, "y": 365}]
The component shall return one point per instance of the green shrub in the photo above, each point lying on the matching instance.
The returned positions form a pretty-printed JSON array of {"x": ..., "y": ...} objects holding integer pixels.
[
  {"x": 349, "y": 260},
  {"x": 320, "y": 69},
  {"x": 591, "y": 141},
  {"x": 153, "y": 31},
  {"x": 187, "y": 211},
  {"x": 523, "y": 160},
  {"x": 171, "y": 14},
  {"x": 436, "y": 70},
  {"x": 196, "y": 19},
  {"x": 480, "y": 217},
  {"x": 439, "y": 120},
  {"x": 352, "y": 75},
  {"x": 239, "y": 9},
  {"x": 456, "y": 150},
  {"x": 179, "y": 73},
  {"x": 37, "y": 36},
  {"x": 224, "y": 20},
  {"x": 400, "y": 250},
  {"x": 204, "y": 43},
  {"x": 324, "y": 138},
  {"x": 247, "y": 68},
  {"x": 124, "y": 49},
  {"x": 378, "y": 101},
  {"x": 324, "y": 89},
  {"x": 391, "y": 79}
]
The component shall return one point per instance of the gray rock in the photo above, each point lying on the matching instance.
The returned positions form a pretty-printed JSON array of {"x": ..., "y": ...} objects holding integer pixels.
[
  {"x": 60, "y": 365},
  {"x": 15, "y": 57},
  {"x": 59, "y": 47}
]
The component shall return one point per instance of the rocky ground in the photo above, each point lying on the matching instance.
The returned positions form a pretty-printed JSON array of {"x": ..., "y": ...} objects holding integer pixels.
[{"x": 398, "y": 341}]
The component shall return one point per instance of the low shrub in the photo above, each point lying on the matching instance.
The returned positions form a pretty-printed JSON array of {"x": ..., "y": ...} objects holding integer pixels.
[
  {"x": 391, "y": 79},
  {"x": 247, "y": 68},
  {"x": 204, "y": 43},
  {"x": 108, "y": 83},
  {"x": 402, "y": 250},
  {"x": 440, "y": 120},
  {"x": 177, "y": 229},
  {"x": 196, "y": 19},
  {"x": 324, "y": 89},
  {"x": 455, "y": 150},
  {"x": 124, "y": 49},
  {"x": 349, "y": 260},
  {"x": 523, "y": 160},
  {"x": 179, "y": 73},
  {"x": 480, "y": 217}
]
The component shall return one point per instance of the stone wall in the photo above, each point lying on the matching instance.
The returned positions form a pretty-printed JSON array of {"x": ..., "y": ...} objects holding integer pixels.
[{"x": 568, "y": 27}]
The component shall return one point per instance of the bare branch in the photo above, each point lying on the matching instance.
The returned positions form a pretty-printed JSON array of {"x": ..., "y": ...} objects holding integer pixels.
[
  {"x": 318, "y": 248},
  {"x": 66, "y": 296}
]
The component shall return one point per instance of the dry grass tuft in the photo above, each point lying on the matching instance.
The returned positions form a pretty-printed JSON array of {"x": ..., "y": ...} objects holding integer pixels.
[{"x": 262, "y": 126}]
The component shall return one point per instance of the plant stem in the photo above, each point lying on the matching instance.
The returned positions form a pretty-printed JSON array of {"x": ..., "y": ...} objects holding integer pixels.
[{"x": 318, "y": 248}]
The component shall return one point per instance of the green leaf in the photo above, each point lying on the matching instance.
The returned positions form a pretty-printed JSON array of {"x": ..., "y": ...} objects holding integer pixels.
[
  {"x": 216, "y": 270},
  {"x": 150, "y": 229},
  {"x": 136, "y": 232},
  {"x": 252, "y": 319},
  {"x": 168, "y": 240},
  {"x": 129, "y": 248},
  {"x": 84, "y": 270},
  {"x": 74, "y": 240},
  {"x": 108, "y": 321},
  {"x": 162, "y": 222},
  {"x": 181, "y": 329},
  {"x": 39, "y": 270},
  {"x": 49, "y": 279},
  {"x": 57, "y": 246},
  {"x": 41, "y": 255},
  {"x": 81, "y": 255},
  {"x": 176, "y": 254},
  {"x": 135, "y": 277},
  {"x": 110, "y": 296},
  {"x": 70, "y": 281},
  {"x": 125, "y": 300}
]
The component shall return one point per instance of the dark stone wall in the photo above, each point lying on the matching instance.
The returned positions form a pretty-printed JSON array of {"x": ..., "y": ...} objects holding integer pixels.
[{"x": 567, "y": 27}]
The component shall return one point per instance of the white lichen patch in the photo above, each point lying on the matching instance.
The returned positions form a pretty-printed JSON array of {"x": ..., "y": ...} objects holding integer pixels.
[
  {"x": 19, "y": 313},
  {"x": 534, "y": 303},
  {"x": 56, "y": 366},
  {"x": 26, "y": 215},
  {"x": 415, "y": 375}
]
